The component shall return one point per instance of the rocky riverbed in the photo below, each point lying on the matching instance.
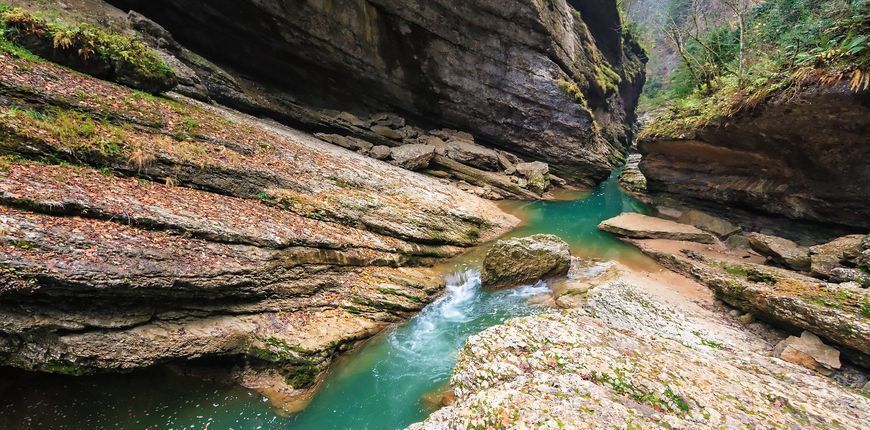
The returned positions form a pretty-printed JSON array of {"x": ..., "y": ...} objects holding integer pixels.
[{"x": 648, "y": 351}]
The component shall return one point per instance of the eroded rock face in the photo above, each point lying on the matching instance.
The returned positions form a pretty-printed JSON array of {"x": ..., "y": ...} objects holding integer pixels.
[
  {"x": 805, "y": 156},
  {"x": 513, "y": 262},
  {"x": 183, "y": 231},
  {"x": 452, "y": 63}
]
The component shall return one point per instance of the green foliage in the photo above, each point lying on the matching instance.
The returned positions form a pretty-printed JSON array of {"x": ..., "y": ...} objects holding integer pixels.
[
  {"x": 87, "y": 41},
  {"x": 788, "y": 43},
  {"x": 575, "y": 91}
]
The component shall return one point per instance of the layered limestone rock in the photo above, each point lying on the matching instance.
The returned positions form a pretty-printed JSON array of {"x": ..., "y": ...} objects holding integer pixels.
[
  {"x": 837, "y": 312},
  {"x": 560, "y": 78},
  {"x": 782, "y": 251},
  {"x": 629, "y": 359},
  {"x": 804, "y": 154},
  {"x": 137, "y": 230}
]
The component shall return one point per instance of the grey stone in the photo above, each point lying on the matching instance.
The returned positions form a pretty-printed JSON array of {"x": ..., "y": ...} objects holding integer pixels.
[
  {"x": 413, "y": 157},
  {"x": 782, "y": 251},
  {"x": 473, "y": 155},
  {"x": 380, "y": 152},
  {"x": 537, "y": 173}
]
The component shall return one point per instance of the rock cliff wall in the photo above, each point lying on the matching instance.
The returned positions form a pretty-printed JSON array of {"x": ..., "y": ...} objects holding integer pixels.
[
  {"x": 804, "y": 154},
  {"x": 547, "y": 80},
  {"x": 137, "y": 230}
]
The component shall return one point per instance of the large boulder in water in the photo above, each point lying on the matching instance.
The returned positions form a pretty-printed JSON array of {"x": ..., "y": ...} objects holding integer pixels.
[{"x": 522, "y": 260}]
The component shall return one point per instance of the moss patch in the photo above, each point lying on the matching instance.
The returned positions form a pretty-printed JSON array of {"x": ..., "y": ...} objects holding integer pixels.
[{"x": 86, "y": 48}]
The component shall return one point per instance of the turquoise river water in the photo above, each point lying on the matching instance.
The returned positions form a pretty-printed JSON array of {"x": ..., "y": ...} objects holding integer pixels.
[{"x": 382, "y": 385}]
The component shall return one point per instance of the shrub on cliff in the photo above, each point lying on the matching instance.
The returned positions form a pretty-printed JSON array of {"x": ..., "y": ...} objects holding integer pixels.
[
  {"x": 785, "y": 44},
  {"x": 88, "y": 49}
]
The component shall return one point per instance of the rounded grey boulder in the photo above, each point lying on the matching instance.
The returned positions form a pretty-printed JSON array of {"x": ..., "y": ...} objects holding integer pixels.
[{"x": 517, "y": 261}]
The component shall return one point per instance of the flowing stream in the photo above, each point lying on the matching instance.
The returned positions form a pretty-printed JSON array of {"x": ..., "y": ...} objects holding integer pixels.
[{"x": 389, "y": 383}]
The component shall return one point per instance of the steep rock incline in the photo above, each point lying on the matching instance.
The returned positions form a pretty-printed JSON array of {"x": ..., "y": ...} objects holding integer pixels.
[
  {"x": 539, "y": 78},
  {"x": 137, "y": 230},
  {"x": 804, "y": 154}
]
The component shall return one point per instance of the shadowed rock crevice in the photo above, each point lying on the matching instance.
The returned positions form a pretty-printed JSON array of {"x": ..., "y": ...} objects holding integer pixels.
[{"x": 492, "y": 69}]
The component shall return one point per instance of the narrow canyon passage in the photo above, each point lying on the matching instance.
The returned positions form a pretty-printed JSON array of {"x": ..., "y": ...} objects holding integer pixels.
[
  {"x": 434, "y": 214},
  {"x": 382, "y": 385}
]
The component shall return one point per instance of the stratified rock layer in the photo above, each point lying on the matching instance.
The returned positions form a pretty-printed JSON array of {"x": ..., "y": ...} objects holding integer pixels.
[
  {"x": 805, "y": 155},
  {"x": 155, "y": 230},
  {"x": 539, "y": 78}
]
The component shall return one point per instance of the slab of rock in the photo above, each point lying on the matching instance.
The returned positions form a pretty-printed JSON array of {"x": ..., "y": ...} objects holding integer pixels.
[
  {"x": 782, "y": 251},
  {"x": 380, "y": 152},
  {"x": 413, "y": 157},
  {"x": 808, "y": 351},
  {"x": 388, "y": 132},
  {"x": 507, "y": 165},
  {"x": 473, "y": 155},
  {"x": 348, "y": 142},
  {"x": 827, "y": 257},
  {"x": 718, "y": 226},
  {"x": 449, "y": 134},
  {"x": 538, "y": 175},
  {"x": 353, "y": 120},
  {"x": 518, "y": 261},
  {"x": 637, "y": 226},
  {"x": 389, "y": 120}
]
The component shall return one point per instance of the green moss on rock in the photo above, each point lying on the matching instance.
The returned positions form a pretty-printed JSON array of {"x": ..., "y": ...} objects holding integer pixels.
[{"x": 86, "y": 48}]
